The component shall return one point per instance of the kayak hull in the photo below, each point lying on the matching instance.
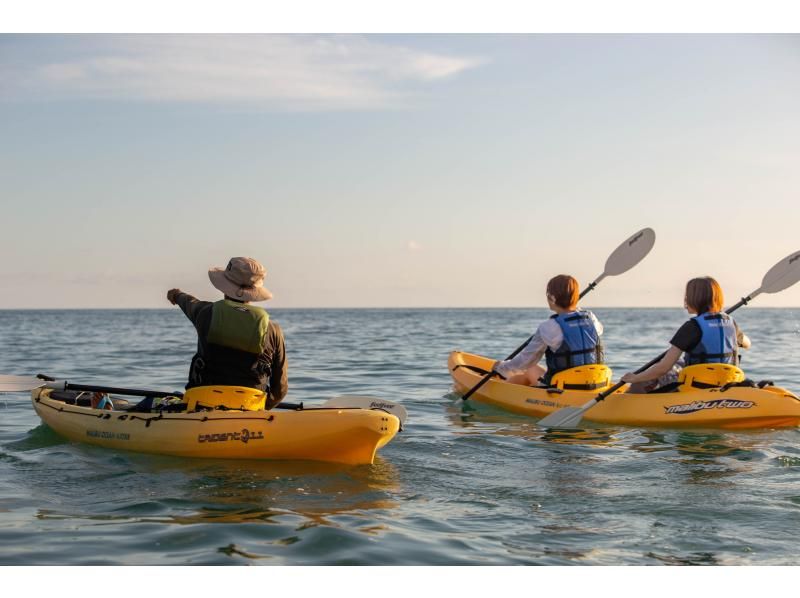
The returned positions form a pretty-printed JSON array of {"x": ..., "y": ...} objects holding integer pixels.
[
  {"x": 340, "y": 435},
  {"x": 736, "y": 408}
]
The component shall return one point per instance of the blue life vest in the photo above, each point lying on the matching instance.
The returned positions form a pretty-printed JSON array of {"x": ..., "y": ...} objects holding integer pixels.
[
  {"x": 718, "y": 341},
  {"x": 581, "y": 345}
]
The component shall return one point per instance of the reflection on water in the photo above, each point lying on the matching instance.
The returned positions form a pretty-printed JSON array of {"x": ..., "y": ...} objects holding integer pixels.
[
  {"x": 309, "y": 489},
  {"x": 696, "y": 558},
  {"x": 700, "y": 446},
  {"x": 285, "y": 504},
  {"x": 703, "y": 457},
  {"x": 232, "y": 550},
  {"x": 706, "y": 457},
  {"x": 473, "y": 417},
  {"x": 582, "y": 437}
]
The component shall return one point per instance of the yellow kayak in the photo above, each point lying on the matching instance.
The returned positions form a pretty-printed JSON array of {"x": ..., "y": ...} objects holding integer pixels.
[
  {"x": 339, "y": 435},
  {"x": 734, "y": 407}
]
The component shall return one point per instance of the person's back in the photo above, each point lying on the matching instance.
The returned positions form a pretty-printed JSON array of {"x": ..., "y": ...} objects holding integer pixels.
[
  {"x": 238, "y": 344},
  {"x": 715, "y": 341},
  {"x": 581, "y": 343}
]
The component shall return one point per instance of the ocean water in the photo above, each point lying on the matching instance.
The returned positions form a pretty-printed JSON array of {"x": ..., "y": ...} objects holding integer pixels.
[{"x": 463, "y": 484}]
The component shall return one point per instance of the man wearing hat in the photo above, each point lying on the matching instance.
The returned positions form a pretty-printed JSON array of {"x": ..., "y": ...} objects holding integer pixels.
[{"x": 237, "y": 343}]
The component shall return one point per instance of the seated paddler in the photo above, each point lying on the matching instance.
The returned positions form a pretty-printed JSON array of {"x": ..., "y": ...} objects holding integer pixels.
[
  {"x": 711, "y": 336},
  {"x": 567, "y": 339},
  {"x": 238, "y": 344}
]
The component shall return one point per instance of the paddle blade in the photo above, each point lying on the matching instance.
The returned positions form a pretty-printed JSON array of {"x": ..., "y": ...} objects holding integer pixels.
[
  {"x": 567, "y": 417},
  {"x": 631, "y": 252},
  {"x": 19, "y": 383},
  {"x": 782, "y": 275},
  {"x": 348, "y": 401}
]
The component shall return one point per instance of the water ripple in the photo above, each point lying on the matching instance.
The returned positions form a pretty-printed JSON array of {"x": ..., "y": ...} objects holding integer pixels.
[{"x": 464, "y": 484}]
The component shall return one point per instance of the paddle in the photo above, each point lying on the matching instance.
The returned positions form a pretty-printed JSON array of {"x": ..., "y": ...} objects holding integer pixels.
[
  {"x": 349, "y": 402},
  {"x": 29, "y": 383},
  {"x": 624, "y": 257},
  {"x": 780, "y": 277}
]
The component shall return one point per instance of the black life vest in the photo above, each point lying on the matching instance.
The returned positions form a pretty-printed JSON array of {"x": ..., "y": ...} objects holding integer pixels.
[{"x": 234, "y": 348}]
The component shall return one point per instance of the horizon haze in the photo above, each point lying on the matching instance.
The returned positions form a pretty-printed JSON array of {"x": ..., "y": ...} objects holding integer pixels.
[{"x": 395, "y": 170}]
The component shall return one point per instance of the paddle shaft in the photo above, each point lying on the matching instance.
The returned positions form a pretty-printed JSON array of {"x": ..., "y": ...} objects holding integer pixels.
[
  {"x": 121, "y": 391},
  {"x": 488, "y": 376}
]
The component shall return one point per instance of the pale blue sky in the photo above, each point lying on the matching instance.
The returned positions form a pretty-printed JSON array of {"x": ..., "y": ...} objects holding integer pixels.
[{"x": 394, "y": 170}]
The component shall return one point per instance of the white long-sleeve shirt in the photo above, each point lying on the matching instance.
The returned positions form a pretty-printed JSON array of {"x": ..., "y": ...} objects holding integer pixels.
[{"x": 548, "y": 334}]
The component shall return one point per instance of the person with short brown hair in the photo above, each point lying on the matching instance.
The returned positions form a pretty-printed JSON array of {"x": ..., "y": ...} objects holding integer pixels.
[
  {"x": 704, "y": 295},
  {"x": 564, "y": 291},
  {"x": 568, "y": 338},
  {"x": 711, "y": 336}
]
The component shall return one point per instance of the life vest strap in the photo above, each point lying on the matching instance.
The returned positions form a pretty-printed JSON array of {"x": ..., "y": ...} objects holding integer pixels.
[
  {"x": 580, "y": 352},
  {"x": 577, "y": 316}
]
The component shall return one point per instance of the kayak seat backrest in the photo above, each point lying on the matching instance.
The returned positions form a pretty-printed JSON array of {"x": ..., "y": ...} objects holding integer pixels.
[
  {"x": 583, "y": 377},
  {"x": 710, "y": 375},
  {"x": 229, "y": 397}
]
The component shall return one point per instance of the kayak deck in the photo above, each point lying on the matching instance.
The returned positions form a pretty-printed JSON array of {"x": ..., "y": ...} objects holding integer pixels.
[
  {"x": 738, "y": 407},
  {"x": 339, "y": 435}
]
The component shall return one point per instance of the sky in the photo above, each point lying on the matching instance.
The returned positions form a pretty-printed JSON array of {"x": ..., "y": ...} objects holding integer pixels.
[{"x": 425, "y": 170}]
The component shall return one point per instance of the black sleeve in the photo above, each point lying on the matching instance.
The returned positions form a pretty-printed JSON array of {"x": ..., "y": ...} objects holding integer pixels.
[
  {"x": 192, "y": 307},
  {"x": 279, "y": 378},
  {"x": 687, "y": 337}
]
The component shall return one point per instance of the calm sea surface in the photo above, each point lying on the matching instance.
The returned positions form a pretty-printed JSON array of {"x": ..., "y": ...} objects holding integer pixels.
[{"x": 462, "y": 485}]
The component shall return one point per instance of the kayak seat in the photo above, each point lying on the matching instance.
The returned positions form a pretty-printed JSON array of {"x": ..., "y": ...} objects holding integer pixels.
[
  {"x": 710, "y": 375},
  {"x": 228, "y": 397},
  {"x": 583, "y": 377}
]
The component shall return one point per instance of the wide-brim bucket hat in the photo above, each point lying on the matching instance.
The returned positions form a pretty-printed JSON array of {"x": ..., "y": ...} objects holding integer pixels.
[{"x": 242, "y": 279}]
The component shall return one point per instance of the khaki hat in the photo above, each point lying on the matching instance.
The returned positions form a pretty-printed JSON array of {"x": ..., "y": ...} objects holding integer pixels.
[{"x": 242, "y": 279}]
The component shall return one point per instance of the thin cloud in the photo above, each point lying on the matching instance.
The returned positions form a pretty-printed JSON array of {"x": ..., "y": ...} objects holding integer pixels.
[{"x": 281, "y": 71}]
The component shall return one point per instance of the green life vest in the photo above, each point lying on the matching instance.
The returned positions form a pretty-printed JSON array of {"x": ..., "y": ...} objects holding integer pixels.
[{"x": 238, "y": 326}]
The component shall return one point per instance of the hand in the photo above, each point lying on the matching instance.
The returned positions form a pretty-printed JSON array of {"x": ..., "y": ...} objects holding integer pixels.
[
  {"x": 172, "y": 295},
  {"x": 495, "y": 371},
  {"x": 630, "y": 377}
]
